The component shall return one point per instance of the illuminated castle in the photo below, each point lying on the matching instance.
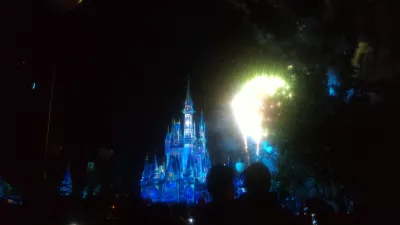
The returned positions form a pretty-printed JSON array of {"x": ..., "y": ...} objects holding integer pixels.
[{"x": 182, "y": 177}]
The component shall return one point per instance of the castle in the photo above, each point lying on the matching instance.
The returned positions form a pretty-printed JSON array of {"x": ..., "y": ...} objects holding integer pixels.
[{"x": 182, "y": 177}]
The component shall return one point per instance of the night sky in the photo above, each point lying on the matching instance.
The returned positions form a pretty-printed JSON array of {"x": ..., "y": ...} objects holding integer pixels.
[{"x": 121, "y": 71}]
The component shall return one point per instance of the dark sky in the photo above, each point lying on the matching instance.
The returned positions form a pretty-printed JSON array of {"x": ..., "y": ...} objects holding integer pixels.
[
  {"x": 121, "y": 70},
  {"x": 121, "y": 73}
]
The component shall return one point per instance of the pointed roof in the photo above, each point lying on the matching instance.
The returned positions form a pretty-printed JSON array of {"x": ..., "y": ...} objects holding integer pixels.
[
  {"x": 229, "y": 162},
  {"x": 146, "y": 167},
  {"x": 67, "y": 176},
  {"x": 156, "y": 171},
  {"x": 167, "y": 136},
  {"x": 155, "y": 162},
  {"x": 194, "y": 128},
  {"x": 188, "y": 100},
  {"x": 201, "y": 118}
]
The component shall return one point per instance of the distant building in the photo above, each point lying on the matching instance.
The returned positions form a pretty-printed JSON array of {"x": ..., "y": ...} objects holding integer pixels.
[
  {"x": 93, "y": 185},
  {"x": 66, "y": 184},
  {"x": 182, "y": 178},
  {"x": 8, "y": 194}
]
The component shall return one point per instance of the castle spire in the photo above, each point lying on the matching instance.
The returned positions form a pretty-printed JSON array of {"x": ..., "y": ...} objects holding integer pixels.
[
  {"x": 156, "y": 172},
  {"x": 229, "y": 162},
  {"x": 66, "y": 184},
  {"x": 167, "y": 136},
  {"x": 188, "y": 100},
  {"x": 194, "y": 129},
  {"x": 201, "y": 118},
  {"x": 146, "y": 165},
  {"x": 155, "y": 162}
]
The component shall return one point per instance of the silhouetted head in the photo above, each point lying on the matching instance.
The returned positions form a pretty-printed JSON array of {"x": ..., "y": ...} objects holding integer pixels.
[
  {"x": 257, "y": 179},
  {"x": 220, "y": 183}
]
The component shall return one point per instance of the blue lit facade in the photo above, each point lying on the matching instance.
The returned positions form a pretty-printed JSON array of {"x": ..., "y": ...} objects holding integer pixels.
[
  {"x": 182, "y": 177},
  {"x": 93, "y": 186},
  {"x": 333, "y": 82},
  {"x": 268, "y": 155},
  {"x": 66, "y": 184}
]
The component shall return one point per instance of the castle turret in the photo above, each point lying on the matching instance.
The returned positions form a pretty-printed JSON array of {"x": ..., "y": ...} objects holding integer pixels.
[
  {"x": 146, "y": 168},
  {"x": 230, "y": 162},
  {"x": 156, "y": 172},
  {"x": 188, "y": 111},
  {"x": 167, "y": 135},
  {"x": 66, "y": 185},
  {"x": 194, "y": 130},
  {"x": 202, "y": 132}
]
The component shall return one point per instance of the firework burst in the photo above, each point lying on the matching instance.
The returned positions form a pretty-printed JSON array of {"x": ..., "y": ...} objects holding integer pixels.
[{"x": 250, "y": 102}]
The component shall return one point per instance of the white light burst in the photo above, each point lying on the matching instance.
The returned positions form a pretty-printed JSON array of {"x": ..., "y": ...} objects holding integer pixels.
[{"x": 248, "y": 105}]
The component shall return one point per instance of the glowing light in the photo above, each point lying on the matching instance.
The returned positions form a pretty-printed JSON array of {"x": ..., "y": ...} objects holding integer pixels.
[
  {"x": 313, "y": 220},
  {"x": 34, "y": 85},
  {"x": 333, "y": 82},
  {"x": 290, "y": 67},
  {"x": 349, "y": 95},
  {"x": 248, "y": 104},
  {"x": 191, "y": 220},
  {"x": 240, "y": 167}
]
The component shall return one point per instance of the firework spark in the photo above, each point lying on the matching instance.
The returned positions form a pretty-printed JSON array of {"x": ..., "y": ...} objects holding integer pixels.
[{"x": 249, "y": 103}]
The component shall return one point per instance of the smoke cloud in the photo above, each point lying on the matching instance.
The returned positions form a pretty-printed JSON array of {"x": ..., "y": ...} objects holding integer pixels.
[{"x": 224, "y": 137}]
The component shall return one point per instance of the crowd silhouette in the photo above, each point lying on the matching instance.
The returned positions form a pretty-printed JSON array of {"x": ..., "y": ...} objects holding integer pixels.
[{"x": 257, "y": 206}]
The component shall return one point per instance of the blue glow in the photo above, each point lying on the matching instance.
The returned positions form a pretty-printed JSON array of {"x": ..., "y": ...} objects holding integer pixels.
[
  {"x": 267, "y": 147},
  {"x": 33, "y": 85},
  {"x": 349, "y": 94},
  {"x": 333, "y": 82},
  {"x": 84, "y": 194},
  {"x": 271, "y": 158},
  {"x": 66, "y": 184},
  {"x": 181, "y": 178},
  {"x": 313, "y": 220}
]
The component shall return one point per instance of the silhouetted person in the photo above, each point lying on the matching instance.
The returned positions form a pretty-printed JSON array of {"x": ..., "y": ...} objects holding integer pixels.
[
  {"x": 202, "y": 200},
  {"x": 258, "y": 204},
  {"x": 221, "y": 188},
  {"x": 220, "y": 184}
]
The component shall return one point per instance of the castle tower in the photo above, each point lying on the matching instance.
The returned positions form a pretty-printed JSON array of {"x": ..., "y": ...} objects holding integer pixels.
[
  {"x": 187, "y": 161},
  {"x": 66, "y": 184},
  {"x": 202, "y": 132},
  {"x": 188, "y": 111},
  {"x": 145, "y": 169},
  {"x": 188, "y": 130},
  {"x": 156, "y": 172}
]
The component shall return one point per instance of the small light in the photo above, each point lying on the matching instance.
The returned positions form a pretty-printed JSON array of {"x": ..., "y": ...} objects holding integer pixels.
[
  {"x": 33, "y": 85},
  {"x": 113, "y": 206},
  {"x": 191, "y": 220}
]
